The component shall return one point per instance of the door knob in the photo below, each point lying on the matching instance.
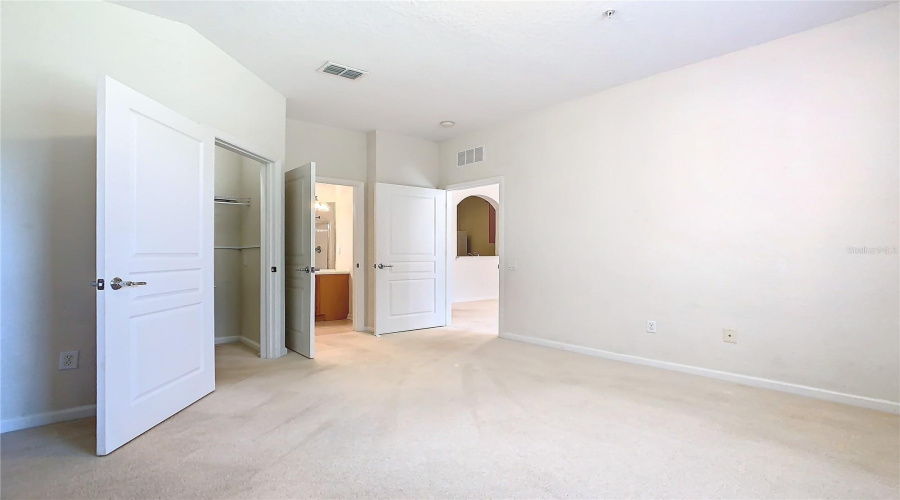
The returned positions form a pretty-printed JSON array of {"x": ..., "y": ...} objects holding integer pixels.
[
  {"x": 308, "y": 269},
  {"x": 382, "y": 266},
  {"x": 117, "y": 283}
]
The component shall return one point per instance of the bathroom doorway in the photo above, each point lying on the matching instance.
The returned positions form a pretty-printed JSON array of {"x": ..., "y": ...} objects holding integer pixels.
[{"x": 339, "y": 306}]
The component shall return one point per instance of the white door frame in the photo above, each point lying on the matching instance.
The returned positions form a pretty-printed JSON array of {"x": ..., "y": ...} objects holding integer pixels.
[
  {"x": 359, "y": 248},
  {"x": 271, "y": 241},
  {"x": 501, "y": 243}
]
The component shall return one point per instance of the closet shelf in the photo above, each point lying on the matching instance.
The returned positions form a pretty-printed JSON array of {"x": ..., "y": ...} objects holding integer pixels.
[
  {"x": 232, "y": 200},
  {"x": 235, "y": 248}
]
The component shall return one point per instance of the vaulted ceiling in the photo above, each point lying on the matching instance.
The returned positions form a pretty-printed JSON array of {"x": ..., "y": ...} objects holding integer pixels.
[{"x": 476, "y": 63}]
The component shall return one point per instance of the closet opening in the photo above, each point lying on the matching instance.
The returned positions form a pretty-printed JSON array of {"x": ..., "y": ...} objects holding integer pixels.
[{"x": 239, "y": 278}]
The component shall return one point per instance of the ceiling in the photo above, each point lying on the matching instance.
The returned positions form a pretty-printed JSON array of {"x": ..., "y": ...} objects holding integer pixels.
[{"x": 476, "y": 63}]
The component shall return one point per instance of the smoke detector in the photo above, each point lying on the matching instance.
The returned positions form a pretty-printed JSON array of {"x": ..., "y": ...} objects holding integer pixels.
[{"x": 342, "y": 70}]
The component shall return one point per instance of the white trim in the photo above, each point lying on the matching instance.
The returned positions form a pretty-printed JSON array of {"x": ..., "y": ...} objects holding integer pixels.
[
  {"x": 47, "y": 418},
  {"x": 227, "y": 340},
  {"x": 501, "y": 244},
  {"x": 801, "y": 390},
  {"x": 248, "y": 342},
  {"x": 358, "y": 273}
]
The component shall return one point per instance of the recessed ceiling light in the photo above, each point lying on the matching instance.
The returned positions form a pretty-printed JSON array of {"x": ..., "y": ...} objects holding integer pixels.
[
  {"x": 447, "y": 124},
  {"x": 609, "y": 13}
]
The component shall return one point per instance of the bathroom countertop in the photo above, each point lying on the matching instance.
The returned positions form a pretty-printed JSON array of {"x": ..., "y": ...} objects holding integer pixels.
[{"x": 331, "y": 271}]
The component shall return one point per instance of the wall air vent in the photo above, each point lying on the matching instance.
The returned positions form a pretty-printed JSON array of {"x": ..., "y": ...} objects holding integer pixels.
[
  {"x": 470, "y": 156},
  {"x": 342, "y": 70}
]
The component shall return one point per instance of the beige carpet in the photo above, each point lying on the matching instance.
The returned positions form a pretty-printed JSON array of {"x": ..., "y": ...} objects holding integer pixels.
[
  {"x": 332, "y": 327},
  {"x": 458, "y": 413}
]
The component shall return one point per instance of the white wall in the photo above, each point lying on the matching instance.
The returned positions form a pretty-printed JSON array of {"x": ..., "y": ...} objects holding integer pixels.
[
  {"x": 338, "y": 153},
  {"x": 719, "y": 195},
  {"x": 410, "y": 161},
  {"x": 472, "y": 278},
  {"x": 475, "y": 278},
  {"x": 53, "y": 55}
]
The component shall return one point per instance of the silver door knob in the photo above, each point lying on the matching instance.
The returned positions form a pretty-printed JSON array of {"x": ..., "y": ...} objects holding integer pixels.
[
  {"x": 382, "y": 266},
  {"x": 308, "y": 269},
  {"x": 117, "y": 283}
]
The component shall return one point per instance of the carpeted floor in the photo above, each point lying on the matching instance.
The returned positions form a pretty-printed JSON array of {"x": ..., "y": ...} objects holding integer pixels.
[
  {"x": 457, "y": 412},
  {"x": 332, "y": 327}
]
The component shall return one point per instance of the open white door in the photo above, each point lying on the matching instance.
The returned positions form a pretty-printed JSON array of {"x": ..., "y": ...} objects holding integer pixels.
[
  {"x": 299, "y": 260},
  {"x": 410, "y": 258},
  {"x": 155, "y": 352}
]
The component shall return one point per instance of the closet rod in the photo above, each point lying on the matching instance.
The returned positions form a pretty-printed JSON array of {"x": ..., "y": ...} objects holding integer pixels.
[
  {"x": 236, "y": 248},
  {"x": 232, "y": 200}
]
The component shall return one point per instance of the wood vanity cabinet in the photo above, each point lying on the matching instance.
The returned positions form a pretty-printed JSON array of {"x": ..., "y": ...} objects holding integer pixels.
[{"x": 332, "y": 296}]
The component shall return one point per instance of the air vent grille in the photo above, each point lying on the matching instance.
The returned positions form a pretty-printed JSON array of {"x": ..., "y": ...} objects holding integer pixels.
[
  {"x": 342, "y": 70},
  {"x": 470, "y": 156},
  {"x": 351, "y": 74}
]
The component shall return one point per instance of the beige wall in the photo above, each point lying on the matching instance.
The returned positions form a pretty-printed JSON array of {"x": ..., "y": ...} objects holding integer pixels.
[
  {"x": 250, "y": 187},
  {"x": 237, "y": 274},
  {"x": 472, "y": 216},
  {"x": 228, "y": 278},
  {"x": 720, "y": 195},
  {"x": 53, "y": 55}
]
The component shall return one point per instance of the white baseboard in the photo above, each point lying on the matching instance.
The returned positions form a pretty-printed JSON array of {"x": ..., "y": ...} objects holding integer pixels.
[
  {"x": 248, "y": 342},
  {"x": 368, "y": 329},
  {"x": 50, "y": 417},
  {"x": 802, "y": 390},
  {"x": 237, "y": 338}
]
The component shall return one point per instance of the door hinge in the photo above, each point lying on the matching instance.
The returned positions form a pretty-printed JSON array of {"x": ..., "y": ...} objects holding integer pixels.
[
  {"x": 274, "y": 269},
  {"x": 98, "y": 284}
]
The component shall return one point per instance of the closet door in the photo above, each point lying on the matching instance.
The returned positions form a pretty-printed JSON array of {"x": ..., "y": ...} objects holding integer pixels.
[
  {"x": 155, "y": 326},
  {"x": 299, "y": 259}
]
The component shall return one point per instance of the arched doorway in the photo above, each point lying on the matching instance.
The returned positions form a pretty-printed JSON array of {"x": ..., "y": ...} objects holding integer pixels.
[{"x": 474, "y": 258}]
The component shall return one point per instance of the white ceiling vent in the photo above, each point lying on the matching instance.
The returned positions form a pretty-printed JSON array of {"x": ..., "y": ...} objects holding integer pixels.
[
  {"x": 470, "y": 156},
  {"x": 342, "y": 70}
]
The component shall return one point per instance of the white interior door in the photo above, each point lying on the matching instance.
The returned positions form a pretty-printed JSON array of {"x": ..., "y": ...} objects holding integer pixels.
[
  {"x": 410, "y": 258},
  {"x": 155, "y": 352},
  {"x": 299, "y": 260}
]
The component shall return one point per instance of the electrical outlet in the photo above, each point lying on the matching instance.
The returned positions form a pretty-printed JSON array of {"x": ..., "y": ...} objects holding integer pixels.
[
  {"x": 651, "y": 326},
  {"x": 729, "y": 335},
  {"x": 68, "y": 360}
]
